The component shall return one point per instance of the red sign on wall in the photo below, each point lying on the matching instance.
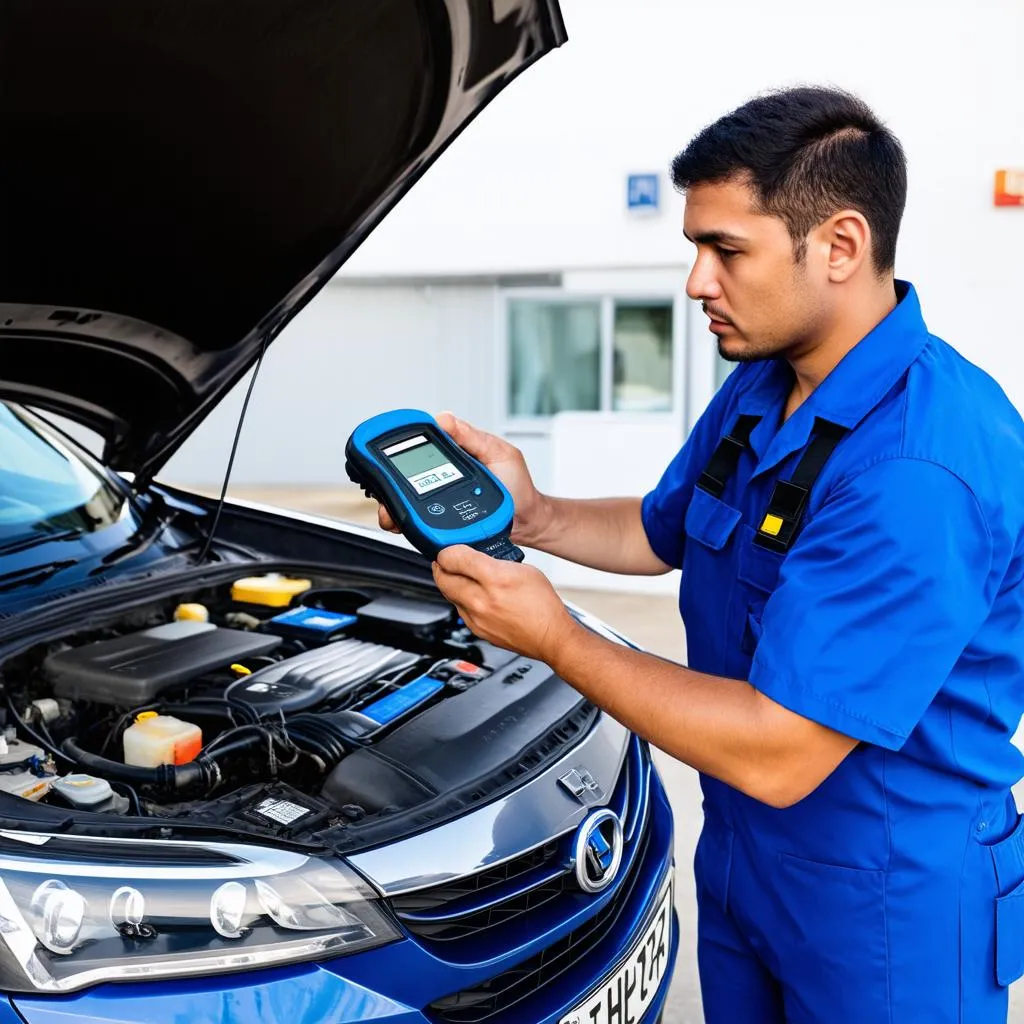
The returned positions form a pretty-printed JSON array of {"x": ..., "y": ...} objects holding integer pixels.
[{"x": 1010, "y": 188}]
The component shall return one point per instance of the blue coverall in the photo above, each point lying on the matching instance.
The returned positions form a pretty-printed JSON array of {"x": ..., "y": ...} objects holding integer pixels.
[{"x": 895, "y": 891}]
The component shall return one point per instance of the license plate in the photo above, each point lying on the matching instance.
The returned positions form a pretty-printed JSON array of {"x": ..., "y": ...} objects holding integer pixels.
[{"x": 627, "y": 992}]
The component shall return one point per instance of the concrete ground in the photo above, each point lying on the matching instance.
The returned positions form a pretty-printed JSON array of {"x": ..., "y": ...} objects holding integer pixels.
[{"x": 652, "y": 622}]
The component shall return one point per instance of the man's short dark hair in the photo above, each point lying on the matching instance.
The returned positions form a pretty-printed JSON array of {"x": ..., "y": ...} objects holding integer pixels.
[{"x": 807, "y": 153}]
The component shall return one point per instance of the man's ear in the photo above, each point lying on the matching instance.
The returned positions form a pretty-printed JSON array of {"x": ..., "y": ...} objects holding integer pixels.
[{"x": 846, "y": 239}]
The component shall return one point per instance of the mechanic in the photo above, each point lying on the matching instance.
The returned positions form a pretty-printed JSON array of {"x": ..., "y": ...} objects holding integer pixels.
[{"x": 848, "y": 515}]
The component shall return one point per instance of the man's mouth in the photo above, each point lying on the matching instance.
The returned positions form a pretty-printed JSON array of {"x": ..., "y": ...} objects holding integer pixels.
[{"x": 715, "y": 317}]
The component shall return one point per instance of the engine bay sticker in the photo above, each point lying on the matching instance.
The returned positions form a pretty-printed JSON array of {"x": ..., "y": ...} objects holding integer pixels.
[{"x": 284, "y": 812}]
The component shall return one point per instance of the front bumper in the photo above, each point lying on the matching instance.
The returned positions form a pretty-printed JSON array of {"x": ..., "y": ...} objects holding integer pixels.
[{"x": 398, "y": 983}]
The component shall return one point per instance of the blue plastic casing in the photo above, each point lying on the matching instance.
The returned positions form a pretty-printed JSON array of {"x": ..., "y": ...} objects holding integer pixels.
[
  {"x": 313, "y": 624},
  {"x": 367, "y": 467},
  {"x": 385, "y": 710}
]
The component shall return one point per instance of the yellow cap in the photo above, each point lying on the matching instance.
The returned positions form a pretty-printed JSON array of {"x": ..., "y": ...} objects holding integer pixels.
[
  {"x": 272, "y": 591},
  {"x": 241, "y": 670},
  {"x": 143, "y": 715},
  {"x": 192, "y": 613}
]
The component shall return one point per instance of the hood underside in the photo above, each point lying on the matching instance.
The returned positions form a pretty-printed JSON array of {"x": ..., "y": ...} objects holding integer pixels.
[{"x": 179, "y": 178}]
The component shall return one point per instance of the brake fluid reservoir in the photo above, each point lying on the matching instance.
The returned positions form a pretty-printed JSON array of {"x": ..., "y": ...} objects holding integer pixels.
[{"x": 161, "y": 739}]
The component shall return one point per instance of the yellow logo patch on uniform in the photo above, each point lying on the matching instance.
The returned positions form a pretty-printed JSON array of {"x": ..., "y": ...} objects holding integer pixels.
[{"x": 771, "y": 525}]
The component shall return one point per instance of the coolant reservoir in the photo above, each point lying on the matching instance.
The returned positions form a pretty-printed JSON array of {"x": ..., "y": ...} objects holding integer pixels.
[{"x": 161, "y": 739}]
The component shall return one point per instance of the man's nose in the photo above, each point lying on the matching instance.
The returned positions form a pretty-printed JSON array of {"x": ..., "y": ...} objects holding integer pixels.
[{"x": 702, "y": 284}]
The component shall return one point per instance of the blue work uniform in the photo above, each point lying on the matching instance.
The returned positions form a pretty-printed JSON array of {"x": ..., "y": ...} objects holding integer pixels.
[{"x": 884, "y": 600}]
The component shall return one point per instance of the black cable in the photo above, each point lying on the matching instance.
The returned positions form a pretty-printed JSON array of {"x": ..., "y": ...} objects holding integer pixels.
[
  {"x": 133, "y": 798},
  {"x": 23, "y": 726},
  {"x": 231, "y": 458}
]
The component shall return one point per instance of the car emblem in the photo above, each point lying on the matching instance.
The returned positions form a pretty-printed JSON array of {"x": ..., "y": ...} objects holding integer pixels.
[
  {"x": 581, "y": 784},
  {"x": 597, "y": 852}
]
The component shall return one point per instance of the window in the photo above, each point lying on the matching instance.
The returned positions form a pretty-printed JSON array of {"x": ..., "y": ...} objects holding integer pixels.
[
  {"x": 554, "y": 357},
  {"x": 643, "y": 357},
  {"x": 590, "y": 355}
]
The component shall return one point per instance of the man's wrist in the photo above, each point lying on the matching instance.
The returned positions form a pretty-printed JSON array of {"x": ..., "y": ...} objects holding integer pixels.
[
  {"x": 564, "y": 645},
  {"x": 541, "y": 524}
]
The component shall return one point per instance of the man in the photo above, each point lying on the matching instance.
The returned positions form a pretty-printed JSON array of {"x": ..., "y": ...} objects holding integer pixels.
[{"x": 849, "y": 518}]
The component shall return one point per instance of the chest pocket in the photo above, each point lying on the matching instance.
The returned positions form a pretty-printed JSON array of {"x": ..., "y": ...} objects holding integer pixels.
[{"x": 710, "y": 521}]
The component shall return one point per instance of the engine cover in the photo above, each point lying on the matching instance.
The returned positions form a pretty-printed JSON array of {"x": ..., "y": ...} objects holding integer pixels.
[{"x": 455, "y": 743}]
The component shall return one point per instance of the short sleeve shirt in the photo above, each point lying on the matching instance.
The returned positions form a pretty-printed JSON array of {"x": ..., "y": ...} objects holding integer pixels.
[{"x": 897, "y": 616}]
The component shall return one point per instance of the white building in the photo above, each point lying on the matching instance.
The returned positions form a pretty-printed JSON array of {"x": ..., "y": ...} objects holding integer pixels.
[{"x": 514, "y": 286}]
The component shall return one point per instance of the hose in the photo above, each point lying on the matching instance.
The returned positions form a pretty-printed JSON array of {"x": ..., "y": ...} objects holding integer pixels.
[
  {"x": 165, "y": 776},
  {"x": 239, "y": 738},
  {"x": 316, "y": 736}
]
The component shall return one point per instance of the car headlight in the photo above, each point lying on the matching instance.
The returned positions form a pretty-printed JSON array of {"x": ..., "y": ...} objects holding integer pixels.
[{"x": 75, "y": 911}]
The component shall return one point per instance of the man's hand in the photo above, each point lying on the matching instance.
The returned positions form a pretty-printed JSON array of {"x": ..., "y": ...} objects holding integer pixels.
[
  {"x": 510, "y": 604},
  {"x": 603, "y": 533},
  {"x": 506, "y": 462}
]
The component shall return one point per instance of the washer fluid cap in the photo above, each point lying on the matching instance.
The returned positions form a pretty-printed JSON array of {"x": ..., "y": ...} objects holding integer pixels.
[{"x": 272, "y": 591}]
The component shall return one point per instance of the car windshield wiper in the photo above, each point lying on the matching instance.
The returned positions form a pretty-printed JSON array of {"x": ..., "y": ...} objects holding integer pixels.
[
  {"x": 151, "y": 527},
  {"x": 34, "y": 540},
  {"x": 33, "y": 575}
]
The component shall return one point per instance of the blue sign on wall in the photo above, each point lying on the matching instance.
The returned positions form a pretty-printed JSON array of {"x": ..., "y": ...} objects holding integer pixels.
[{"x": 642, "y": 192}]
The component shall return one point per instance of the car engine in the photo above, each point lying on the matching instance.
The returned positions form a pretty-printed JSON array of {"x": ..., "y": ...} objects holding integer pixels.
[{"x": 343, "y": 708}]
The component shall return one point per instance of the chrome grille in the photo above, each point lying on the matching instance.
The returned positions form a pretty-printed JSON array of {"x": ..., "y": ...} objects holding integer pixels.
[{"x": 484, "y": 901}]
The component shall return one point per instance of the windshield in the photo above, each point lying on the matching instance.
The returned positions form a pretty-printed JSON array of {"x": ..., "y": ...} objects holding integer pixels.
[{"x": 47, "y": 488}]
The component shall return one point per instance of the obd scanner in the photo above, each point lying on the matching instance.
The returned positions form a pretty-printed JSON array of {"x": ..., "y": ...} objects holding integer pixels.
[{"x": 436, "y": 492}]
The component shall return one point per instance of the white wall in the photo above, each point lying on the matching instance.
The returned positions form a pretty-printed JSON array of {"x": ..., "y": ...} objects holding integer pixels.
[
  {"x": 597, "y": 455},
  {"x": 354, "y": 351},
  {"x": 539, "y": 180}
]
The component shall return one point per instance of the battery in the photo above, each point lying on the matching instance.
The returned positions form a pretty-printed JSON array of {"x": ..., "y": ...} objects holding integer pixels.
[
  {"x": 385, "y": 710},
  {"x": 316, "y": 625}
]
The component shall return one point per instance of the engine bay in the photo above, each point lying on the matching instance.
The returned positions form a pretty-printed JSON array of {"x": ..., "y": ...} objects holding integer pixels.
[{"x": 286, "y": 706}]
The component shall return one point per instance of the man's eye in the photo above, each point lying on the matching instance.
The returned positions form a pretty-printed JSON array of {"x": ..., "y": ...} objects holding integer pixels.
[{"x": 727, "y": 254}]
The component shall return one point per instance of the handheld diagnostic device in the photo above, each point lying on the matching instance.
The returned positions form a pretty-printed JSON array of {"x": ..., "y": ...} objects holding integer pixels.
[{"x": 436, "y": 492}]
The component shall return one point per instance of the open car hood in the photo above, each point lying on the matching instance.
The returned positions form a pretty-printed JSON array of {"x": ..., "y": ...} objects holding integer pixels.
[{"x": 179, "y": 177}]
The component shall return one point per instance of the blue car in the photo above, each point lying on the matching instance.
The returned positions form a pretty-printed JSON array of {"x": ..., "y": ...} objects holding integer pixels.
[{"x": 252, "y": 766}]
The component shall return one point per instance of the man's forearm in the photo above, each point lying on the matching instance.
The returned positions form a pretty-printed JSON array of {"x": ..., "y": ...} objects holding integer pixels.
[
  {"x": 603, "y": 533},
  {"x": 722, "y": 727}
]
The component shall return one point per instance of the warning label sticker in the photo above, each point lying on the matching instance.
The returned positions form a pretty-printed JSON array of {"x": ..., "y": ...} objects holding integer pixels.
[{"x": 284, "y": 812}]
